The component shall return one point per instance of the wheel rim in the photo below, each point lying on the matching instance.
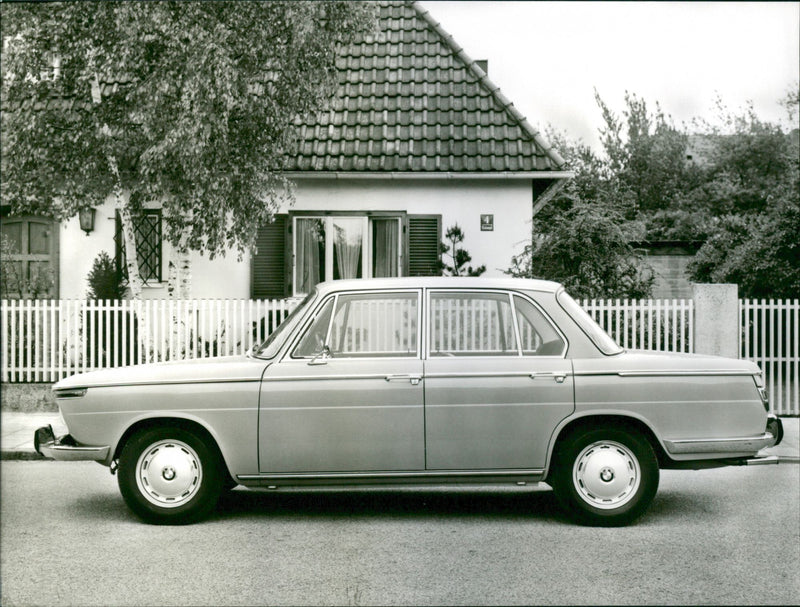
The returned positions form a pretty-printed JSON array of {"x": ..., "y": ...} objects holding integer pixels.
[
  {"x": 169, "y": 473},
  {"x": 606, "y": 475}
]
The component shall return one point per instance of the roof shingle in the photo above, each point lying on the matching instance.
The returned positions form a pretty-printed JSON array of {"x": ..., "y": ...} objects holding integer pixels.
[{"x": 410, "y": 100}]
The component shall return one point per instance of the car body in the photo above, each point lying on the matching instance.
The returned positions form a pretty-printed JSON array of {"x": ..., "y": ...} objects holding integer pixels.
[{"x": 418, "y": 380}]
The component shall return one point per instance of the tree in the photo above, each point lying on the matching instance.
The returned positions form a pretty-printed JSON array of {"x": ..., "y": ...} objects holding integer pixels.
[
  {"x": 585, "y": 248},
  {"x": 459, "y": 257},
  {"x": 189, "y": 104},
  {"x": 104, "y": 280},
  {"x": 754, "y": 189},
  {"x": 646, "y": 154}
]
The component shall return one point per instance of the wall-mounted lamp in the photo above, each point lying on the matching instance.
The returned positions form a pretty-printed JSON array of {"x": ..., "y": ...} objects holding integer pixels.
[{"x": 86, "y": 217}]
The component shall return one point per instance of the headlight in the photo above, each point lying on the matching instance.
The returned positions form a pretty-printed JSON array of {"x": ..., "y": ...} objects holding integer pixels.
[{"x": 70, "y": 392}]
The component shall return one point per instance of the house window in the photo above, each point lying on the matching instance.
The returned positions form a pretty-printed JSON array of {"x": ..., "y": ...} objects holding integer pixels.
[
  {"x": 295, "y": 252},
  {"x": 29, "y": 257},
  {"x": 147, "y": 230},
  {"x": 337, "y": 247}
]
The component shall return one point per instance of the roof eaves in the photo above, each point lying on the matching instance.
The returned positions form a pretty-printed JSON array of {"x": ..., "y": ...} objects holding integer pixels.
[
  {"x": 429, "y": 175},
  {"x": 488, "y": 84}
]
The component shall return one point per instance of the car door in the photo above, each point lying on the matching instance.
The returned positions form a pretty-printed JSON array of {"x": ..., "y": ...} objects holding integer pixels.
[
  {"x": 347, "y": 396},
  {"x": 496, "y": 381}
]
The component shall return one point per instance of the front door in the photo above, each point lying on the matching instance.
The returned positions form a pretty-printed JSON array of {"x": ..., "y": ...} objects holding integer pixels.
[
  {"x": 496, "y": 382},
  {"x": 348, "y": 396}
]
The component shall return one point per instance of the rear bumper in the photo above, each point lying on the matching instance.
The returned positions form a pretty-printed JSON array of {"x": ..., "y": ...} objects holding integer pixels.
[
  {"x": 722, "y": 446},
  {"x": 65, "y": 448}
]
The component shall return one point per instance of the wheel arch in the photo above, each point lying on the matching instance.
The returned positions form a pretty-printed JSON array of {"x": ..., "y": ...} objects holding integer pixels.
[
  {"x": 175, "y": 422},
  {"x": 619, "y": 420}
]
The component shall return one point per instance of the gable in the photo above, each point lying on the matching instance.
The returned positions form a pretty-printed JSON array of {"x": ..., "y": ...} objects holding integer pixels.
[{"x": 411, "y": 100}]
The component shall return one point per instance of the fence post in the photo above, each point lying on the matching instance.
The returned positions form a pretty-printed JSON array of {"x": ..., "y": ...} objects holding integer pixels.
[{"x": 716, "y": 319}]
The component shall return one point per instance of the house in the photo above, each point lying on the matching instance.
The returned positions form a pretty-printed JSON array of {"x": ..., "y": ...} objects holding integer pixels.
[{"x": 417, "y": 139}]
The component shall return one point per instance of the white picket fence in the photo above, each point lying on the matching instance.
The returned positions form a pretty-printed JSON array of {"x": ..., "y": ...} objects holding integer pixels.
[
  {"x": 771, "y": 338},
  {"x": 47, "y": 340}
]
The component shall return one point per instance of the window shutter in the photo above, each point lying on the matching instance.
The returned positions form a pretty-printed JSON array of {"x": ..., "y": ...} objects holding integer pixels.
[
  {"x": 268, "y": 265},
  {"x": 424, "y": 238}
]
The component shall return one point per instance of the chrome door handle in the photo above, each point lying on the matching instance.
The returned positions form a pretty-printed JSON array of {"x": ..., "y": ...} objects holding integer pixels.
[
  {"x": 559, "y": 377},
  {"x": 414, "y": 379}
]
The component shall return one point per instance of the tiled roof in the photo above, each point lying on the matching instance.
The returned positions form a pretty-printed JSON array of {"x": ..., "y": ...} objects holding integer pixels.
[{"x": 411, "y": 100}]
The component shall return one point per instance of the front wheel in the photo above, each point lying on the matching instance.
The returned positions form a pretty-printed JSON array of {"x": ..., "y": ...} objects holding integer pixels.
[
  {"x": 169, "y": 475},
  {"x": 605, "y": 476}
]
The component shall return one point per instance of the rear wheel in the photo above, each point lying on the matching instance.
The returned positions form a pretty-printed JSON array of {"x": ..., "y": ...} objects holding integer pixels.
[
  {"x": 605, "y": 476},
  {"x": 169, "y": 476}
]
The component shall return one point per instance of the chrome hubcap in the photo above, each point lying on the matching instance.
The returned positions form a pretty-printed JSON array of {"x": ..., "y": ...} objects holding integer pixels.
[
  {"x": 606, "y": 474},
  {"x": 169, "y": 473}
]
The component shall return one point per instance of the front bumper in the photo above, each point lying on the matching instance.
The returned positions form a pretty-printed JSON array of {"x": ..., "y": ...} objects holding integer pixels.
[
  {"x": 65, "y": 448},
  {"x": 772, "y": 436}
]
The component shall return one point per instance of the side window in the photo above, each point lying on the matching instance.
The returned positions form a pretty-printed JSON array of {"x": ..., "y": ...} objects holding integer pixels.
[
  {"x": 537, "y": 335},
  {"x": 374, "y": 324},
  {"x": 314, "y": 339},
  {"x": 471, "y": 324}
]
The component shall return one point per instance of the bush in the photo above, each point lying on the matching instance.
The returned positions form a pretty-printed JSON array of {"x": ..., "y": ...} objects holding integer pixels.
[{"x": 104, "y": 280}]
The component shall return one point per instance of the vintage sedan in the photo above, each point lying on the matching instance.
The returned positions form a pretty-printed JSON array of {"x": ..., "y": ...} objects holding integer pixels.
[{"x": 418, "y": 380}]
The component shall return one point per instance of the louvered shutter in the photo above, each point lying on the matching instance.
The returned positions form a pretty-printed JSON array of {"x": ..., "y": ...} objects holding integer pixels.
[
  {"x": 424, "y": 237},
  {"x": 268, "y": 265}
]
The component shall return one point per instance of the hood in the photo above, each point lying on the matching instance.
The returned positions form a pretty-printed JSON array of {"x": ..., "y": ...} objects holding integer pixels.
[{"x": 223, "y": 368}]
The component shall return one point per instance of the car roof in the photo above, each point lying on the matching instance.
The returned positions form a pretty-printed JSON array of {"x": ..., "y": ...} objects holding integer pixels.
[{"x": 436, "y": 282}]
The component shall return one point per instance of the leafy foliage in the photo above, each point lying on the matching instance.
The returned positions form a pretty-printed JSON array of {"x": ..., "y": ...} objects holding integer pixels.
[
  {"x": 459, "y": 257},
  {"x": 104, "y": 280},
  {"x": 196, "y": 104},
  {"x": 754, "y": 189},
  {"x": 585, "y": 248},
  {"x": 739, "y": 195}
]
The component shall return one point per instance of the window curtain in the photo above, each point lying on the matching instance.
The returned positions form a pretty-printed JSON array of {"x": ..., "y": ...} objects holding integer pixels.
[
  {"x": 348, "y": 248},
  {"x": 310, "y": 233},
  {"x": 386, "y": 247}
]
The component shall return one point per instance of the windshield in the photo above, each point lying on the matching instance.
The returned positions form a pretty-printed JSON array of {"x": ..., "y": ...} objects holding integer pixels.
[
  {"x": 272, "y": 344},
  {"x": 595, "y": 332}
]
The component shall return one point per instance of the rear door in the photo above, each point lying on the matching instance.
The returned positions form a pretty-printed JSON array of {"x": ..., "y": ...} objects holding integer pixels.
[{"x": 497, "y": 381}]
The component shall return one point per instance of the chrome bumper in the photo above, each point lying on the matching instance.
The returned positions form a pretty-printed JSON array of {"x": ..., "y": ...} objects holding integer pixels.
[
  {"x": 721, "y": 446},
  {"x": 65, "y": 448}
]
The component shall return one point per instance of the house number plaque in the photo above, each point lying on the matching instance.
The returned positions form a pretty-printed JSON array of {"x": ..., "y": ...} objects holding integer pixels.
[{"x": 487, "y": 223}]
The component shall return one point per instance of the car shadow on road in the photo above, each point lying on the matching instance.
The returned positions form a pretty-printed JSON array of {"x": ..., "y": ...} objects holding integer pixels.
[
  {"x": 333, "y": 504},
  {"x": 537, "y": 504}
]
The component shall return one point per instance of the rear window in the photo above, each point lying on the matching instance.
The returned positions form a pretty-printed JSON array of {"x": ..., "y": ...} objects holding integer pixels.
[{"x": 600, "y": 338}]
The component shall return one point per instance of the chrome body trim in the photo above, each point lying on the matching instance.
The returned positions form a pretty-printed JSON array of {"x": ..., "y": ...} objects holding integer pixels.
[
  {"x": 651, "y": 373},
  {"x": 66, "y": 448},
  {"x": 167, "y": 382},
  {"x": 721, "y": 445},
  {"x": 383, "y": 376},
  {"x": 530, "y": 374},
  {"x": 353, "y": 476},
  {"x": 66, "y": 453},
  {"x": 664, "y": 373}
]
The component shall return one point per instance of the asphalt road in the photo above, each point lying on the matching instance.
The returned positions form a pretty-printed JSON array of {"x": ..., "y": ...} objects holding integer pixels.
[{"x": 725, "y": 536}]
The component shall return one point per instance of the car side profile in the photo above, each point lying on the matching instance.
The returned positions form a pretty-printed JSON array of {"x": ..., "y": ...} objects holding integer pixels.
[{"x": 412, "y": 381}]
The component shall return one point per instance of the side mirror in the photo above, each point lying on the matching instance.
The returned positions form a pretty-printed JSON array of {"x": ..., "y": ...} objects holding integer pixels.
[{"x": 321, "y": 358}]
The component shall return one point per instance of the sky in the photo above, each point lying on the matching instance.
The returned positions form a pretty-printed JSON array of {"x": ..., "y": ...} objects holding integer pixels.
[{"x": 549, "y": 57}]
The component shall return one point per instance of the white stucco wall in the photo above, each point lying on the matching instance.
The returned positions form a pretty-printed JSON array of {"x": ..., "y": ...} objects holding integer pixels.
[{"x": 458, "y": 201}]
